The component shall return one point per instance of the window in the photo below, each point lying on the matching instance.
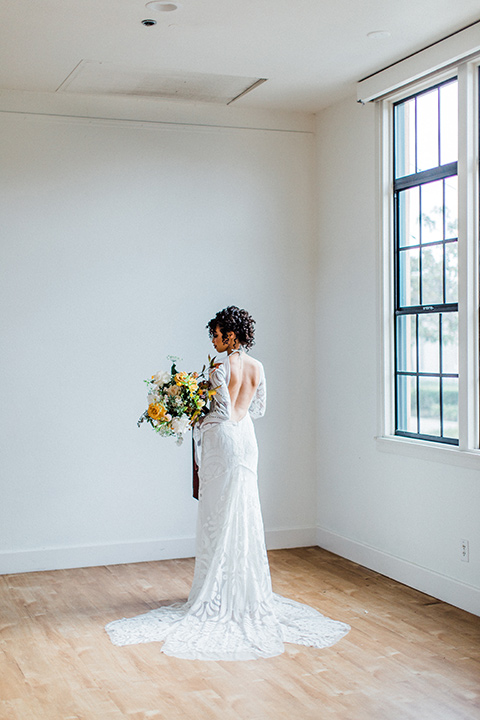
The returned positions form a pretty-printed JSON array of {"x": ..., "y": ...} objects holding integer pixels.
[
  {"x": 426, "y": 264},
  {"x": 428, "y": 229}
]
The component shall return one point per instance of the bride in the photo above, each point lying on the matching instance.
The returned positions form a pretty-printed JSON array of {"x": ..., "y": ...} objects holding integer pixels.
[{"x": 231, "y": 612}]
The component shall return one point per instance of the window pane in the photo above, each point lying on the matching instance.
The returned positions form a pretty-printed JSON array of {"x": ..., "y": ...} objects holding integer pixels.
[
  {"x": 432, "y": 211},
  {"x": 406, "y": 343},
  {"x": 427, "y": 130},
  {"x": 450, "y": 342},
  {"x": 429, "y": 403},
  {"x": 451, "y": 272},
  {"x": 450, "y": 407},
  {"x": 451, "y": 207},
  {"x": 407, "y": 403},
  {"x": 448, "y": 123},
  {"x": 405, "y": 138},
  {"x": 409, "y": 217},
  {"x": 429, "y": 343},
  {"x": 409, "y": 277},
  {"x": 432, "y": 275}
]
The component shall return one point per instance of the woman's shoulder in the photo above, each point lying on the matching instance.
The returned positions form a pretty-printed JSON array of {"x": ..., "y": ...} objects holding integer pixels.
[
  {"x": 219, "y": 372},
  {"x": 220, "y": 367},
  {"x": 256, "y": 362},
  {"x": 256, "y": 367},
  {"x": 243, "y": 359}
]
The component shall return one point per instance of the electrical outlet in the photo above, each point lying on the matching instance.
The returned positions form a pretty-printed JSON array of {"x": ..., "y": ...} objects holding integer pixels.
[{"x": 464, "y": 551}]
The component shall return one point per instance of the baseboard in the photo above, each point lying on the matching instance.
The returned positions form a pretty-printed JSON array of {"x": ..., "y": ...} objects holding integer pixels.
[
  {"x": 440, "y": 586},
  {"x": 291, "y": 538},
  {"x": 454, "y": 592},
  {"x": 61, "y": 558}
]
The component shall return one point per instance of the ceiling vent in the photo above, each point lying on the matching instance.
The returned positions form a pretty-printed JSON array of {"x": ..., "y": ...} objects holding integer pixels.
[{"x": 104, "y": 78}]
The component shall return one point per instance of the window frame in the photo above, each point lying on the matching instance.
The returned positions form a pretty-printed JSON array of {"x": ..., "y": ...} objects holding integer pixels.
[
  {"x": 467, "y": 451},
  {"x": 419, "y": 179}
]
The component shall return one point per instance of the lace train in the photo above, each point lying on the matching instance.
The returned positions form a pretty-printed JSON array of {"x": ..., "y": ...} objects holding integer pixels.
[{"x": 260, "y": 635}]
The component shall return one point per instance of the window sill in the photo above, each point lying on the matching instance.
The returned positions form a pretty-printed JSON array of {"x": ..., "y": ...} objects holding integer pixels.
[{"x": 422, "y": 450}]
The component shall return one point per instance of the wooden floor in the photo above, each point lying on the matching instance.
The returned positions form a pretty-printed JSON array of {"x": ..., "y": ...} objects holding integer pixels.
[{"x": 408, "y": 656}]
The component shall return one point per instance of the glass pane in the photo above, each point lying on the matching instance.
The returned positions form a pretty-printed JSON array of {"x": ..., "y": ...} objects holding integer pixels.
[
  {"x": 448, "y": 123},
  {"x": 450, "y": 407},
  {"x": 408, "y": 279},
  {"x": 407, "y": 403},
  {"x": 427, "y": 130},
  {"x": 432, "y": 211},
  {"x": 450, "y": 342},
  {"x": 451, "y": 272},
  {"x": 406, "y": 343},
  {"x": 429, "y": 343},
  {"x": 405, "y": 138},
  {"x": 451, "y": 207},
  {"x": 432, "y": 275},
  {"x": 429, "y": 403},
  {"x": 409, "y": 217}
]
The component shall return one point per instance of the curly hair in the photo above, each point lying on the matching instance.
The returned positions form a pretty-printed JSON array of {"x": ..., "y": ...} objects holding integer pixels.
[{"x": 232, "y": 319}]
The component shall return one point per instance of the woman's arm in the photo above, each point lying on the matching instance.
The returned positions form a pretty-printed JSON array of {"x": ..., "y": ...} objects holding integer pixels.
[
  {"x": 259, "y": 403},
  {"x": 222, "y": 405}
]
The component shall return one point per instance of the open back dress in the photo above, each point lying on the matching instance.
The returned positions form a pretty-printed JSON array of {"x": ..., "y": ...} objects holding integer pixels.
[{"x": 231, "y": 612}]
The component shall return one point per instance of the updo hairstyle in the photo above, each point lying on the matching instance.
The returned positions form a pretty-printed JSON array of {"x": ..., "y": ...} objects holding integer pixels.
[{"x": 232, "y": 319}]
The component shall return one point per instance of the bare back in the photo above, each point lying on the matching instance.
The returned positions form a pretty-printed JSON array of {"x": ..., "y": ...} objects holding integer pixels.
[{"x": 245, "y": 376}]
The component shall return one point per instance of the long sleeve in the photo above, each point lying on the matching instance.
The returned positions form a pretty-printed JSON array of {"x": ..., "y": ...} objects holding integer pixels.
[
  {"x": 219, "y": 411},
  {"x": 259, "y": 403},
  {"x": 221, "y": 405}
]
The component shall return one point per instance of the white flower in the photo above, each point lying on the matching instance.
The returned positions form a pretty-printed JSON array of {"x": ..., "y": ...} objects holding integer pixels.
[
  {"x": 180, "y": 425},
  {"x": 152, "y": 399},
  {"x": 161, "y": 378}
]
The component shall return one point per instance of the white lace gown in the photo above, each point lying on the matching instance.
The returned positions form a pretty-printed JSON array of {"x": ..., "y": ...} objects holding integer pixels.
[{"x": 231, "y": 612}]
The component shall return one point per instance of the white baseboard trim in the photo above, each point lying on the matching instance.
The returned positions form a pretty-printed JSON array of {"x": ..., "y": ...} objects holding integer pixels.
[
  {"x": 454, "y": 592},
  {"x": 291, "y": 538},
  {"x": 61, "y": 558}
]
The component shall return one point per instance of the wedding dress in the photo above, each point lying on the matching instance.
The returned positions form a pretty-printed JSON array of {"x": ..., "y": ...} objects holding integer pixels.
[{"x": 231, "y": 612}]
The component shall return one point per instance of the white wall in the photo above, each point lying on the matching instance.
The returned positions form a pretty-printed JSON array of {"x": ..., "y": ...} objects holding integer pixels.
[
  {"x": 404, "y": 516},
  {"x": 119, "y": 241}
]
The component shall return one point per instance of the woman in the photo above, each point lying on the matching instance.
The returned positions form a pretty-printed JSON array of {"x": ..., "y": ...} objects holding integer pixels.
[{"x": 231, "y": 612}]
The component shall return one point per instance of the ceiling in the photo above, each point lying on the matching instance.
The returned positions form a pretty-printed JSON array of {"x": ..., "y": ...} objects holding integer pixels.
[{"x": 310, "y": 51}]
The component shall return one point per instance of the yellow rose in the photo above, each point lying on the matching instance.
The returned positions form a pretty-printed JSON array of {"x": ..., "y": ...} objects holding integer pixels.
[
  {"x": 155, "y": 411},
  {"x": 180, "y": 377}
]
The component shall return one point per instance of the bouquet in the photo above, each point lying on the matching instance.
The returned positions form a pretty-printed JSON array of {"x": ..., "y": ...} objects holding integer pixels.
[{"x": 176, "y": 400}]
